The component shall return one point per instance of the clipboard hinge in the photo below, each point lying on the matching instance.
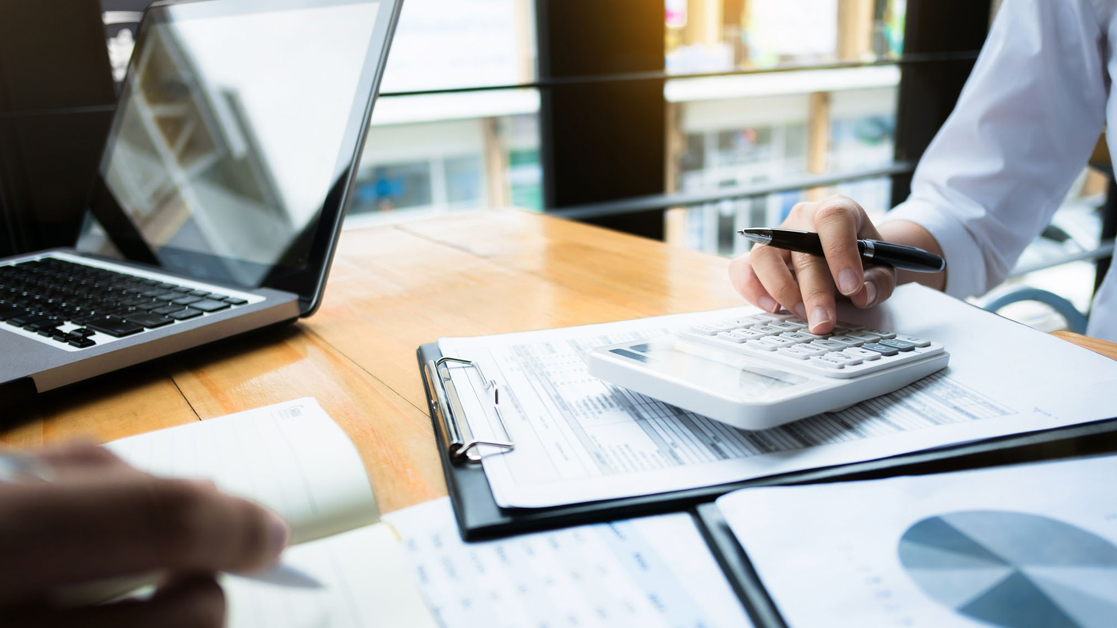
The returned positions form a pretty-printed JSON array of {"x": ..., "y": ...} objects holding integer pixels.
[{"x": 452, "y": 422}]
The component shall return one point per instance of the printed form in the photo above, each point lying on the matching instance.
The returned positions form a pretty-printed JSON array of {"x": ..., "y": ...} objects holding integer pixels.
[
  {"x": 579, "y": 439},
  {"x": 640, "y": 573}
]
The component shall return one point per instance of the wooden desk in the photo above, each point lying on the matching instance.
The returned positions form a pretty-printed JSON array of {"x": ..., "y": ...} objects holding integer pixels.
[{"x": 392, "y": 289}]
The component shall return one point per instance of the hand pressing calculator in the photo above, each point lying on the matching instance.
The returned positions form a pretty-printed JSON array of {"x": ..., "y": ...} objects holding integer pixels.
[{"x": 760, "y": 371}]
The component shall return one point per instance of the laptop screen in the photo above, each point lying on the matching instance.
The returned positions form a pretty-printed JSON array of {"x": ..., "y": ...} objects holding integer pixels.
[{"x": 236, "y": 133}]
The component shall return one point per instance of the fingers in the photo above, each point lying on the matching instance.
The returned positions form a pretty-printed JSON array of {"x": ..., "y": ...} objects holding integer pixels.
[
  {"x": 817, "y": 291},
  {"x": 59, "y": 534},
  {"x": 80, "y": 457},
  {"x": 194, "y": 603},
  {"x": 744, "y": 280},
  {"x": 770, "y": 266},
  {"x": 880, "y": 282},
  {"x": 838, "y": 225}
]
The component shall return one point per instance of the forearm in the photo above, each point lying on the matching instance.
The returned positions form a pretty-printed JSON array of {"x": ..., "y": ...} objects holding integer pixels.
[{"x": 912, "y": 234}]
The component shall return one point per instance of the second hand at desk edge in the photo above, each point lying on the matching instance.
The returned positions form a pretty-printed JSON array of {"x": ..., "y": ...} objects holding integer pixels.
[{"x": 16, "y": 467}]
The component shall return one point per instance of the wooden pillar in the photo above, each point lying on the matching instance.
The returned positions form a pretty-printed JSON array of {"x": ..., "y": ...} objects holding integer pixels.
[
  {"x": 855, "y": 29},
  {"x": 818, "y": 140}
]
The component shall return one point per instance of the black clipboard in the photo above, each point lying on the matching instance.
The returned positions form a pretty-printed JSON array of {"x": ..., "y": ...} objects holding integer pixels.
[{"x": 480, "y": 518}]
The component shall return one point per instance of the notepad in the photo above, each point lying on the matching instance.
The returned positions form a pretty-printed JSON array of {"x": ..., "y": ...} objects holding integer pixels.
[{"x": 293, "y": 459}]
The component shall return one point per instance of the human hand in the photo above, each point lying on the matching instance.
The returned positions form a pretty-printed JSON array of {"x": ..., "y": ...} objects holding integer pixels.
[
  {"x": 100, "y": 519},
  {"x": 808, "y": 285}
]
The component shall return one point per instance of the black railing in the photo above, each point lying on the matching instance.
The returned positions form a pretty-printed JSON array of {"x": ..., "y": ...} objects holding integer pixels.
[{"x": 665, "y": 201}]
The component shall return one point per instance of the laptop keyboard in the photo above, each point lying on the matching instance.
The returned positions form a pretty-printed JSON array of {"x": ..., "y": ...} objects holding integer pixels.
[{"x": 73, "y": 303}]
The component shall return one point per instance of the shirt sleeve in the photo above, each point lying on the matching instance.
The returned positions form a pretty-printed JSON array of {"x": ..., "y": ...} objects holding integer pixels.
[{"x": 1022, "y": 131}]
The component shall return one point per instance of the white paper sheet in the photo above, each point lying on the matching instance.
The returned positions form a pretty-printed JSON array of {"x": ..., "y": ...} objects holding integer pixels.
[
  {"x": 646, "y": 573},
  {"x": 579, "y": 439},
  {"x": 367, "y": 582},
  {"x": 1019, "y": 546},
  {"x": 290, "y": 457}
]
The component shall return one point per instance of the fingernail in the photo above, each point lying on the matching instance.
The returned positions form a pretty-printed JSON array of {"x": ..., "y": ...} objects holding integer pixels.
[
  {"x": 278, "y": 534},
  {"x": 769, "y": 304},
  {"x": 801, "y": 311},
  {"x": 819, "y": 315},
  {"x": 847, "y": 282},
  {"x": 871, "y": 293}
]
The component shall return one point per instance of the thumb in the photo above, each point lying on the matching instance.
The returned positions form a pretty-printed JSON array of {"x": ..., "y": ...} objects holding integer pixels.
[{"x": 880, "y": 282}]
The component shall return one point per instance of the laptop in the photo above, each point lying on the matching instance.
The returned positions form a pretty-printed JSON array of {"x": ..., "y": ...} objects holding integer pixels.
[{"x": 220, "y": 193}]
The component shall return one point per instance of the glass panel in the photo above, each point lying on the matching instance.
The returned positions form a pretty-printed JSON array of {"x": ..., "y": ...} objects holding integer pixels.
[
  {"x": 724, "y": 35},
  {"x": 1075, "y": 228},
  {"x": 771, "y": 128},
  {"x": 437, "y": 152}
]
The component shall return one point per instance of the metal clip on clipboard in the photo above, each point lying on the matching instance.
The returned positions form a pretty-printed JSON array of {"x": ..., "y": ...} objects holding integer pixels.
[{"x": 452, "y": 421}]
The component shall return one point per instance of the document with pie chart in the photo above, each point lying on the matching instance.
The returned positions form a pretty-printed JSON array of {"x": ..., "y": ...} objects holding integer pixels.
[{"x": 1031, "y": 546}]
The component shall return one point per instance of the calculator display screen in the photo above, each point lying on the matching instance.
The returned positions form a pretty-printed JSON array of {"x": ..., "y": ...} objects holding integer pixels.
[{"x": 726, "y": 372}]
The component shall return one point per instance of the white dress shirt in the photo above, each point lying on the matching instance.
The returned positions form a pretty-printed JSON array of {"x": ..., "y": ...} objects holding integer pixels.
[{"x": 1022, "y": 131}]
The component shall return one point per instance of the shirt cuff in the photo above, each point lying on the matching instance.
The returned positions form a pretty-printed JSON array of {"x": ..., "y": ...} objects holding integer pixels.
[{"x": 965, "y": 267}]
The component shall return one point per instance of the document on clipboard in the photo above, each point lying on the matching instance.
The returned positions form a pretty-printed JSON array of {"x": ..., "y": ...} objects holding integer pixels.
[{"x": 571, "y": 438}]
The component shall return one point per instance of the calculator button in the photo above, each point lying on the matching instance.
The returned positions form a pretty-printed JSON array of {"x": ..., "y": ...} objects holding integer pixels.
[
  {"x": 745, "y": 334},
  {"x": 863, "y": 354},
  {"x": 847, "y": 360},
  {"x": 860, "y": 335},
  {"x": 797, "y": 352},
  {"x": 760, "y": 345},
  {"x": 847, "y": 341},
  {"x": 897, "y": 344},
  {"x": 776, "y": 341},
  {"x": 811, "y": 349},
  {"x": 732, "y": 336},
  {"x": 706, "y": 330},
  {"x": 767, "y": 330},
  {"x": 842, "y": 328},
  {"x": 879, "y": 333},
  {"x": 828, "y": 344},
  {"x": 919, "y": 342},
  {"x": 773, "y": 317},
  {"x": 884, "y": 350},
  {"x": 825, "y": 361},
  {"x": 797, "y": 336},
  {"x": 789, "y": 326}
]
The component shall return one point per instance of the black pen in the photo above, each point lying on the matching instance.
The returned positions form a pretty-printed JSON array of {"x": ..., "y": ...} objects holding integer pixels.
[{"x": 872, "y": 251}]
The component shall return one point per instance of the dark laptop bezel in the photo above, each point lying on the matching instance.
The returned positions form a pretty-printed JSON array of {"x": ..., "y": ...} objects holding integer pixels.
[{"x": 307, "y": 280}]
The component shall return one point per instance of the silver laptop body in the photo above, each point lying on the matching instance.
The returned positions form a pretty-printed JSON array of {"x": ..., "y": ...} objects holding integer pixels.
[{"x": 220, "y": 194}]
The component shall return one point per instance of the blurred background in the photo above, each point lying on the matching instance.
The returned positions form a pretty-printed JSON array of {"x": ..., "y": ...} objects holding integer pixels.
[{"x": 686, "y": 120}]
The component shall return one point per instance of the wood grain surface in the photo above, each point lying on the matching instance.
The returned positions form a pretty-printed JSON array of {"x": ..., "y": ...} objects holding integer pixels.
[{"x": 392, "y": 289}]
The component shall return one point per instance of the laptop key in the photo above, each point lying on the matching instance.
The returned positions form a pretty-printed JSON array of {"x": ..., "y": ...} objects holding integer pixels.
[
  {"x": 116, "y": 327},
  {"x": 150, "y": 321},
  {"x": 209, "y": 305},
  {"x": 199, "y": 293},
  {"x": 170, "y": 309},
  {"x": 185, "y": 315},
  {"x": 236, "y": 301},
  {"x": 186, "y": 300},
  {"x": 83, "y": 343},
  {"x": 152, "y": 305}
]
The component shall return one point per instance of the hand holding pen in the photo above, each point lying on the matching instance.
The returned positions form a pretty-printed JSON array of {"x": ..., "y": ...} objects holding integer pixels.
[
  {"x": 78, "y": 514},
  {"x": 837, "y": 252}
]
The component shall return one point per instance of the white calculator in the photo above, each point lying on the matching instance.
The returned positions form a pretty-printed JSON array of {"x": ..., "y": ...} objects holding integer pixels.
[{"x": 760, "y": 371}]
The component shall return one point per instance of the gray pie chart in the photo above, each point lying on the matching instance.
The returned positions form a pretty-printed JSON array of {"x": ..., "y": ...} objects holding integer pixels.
[{"x": 1013, "y": 569}]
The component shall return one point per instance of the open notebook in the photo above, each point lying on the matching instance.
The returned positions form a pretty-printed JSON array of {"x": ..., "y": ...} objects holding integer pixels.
[{"x": 295, "y": 460}]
